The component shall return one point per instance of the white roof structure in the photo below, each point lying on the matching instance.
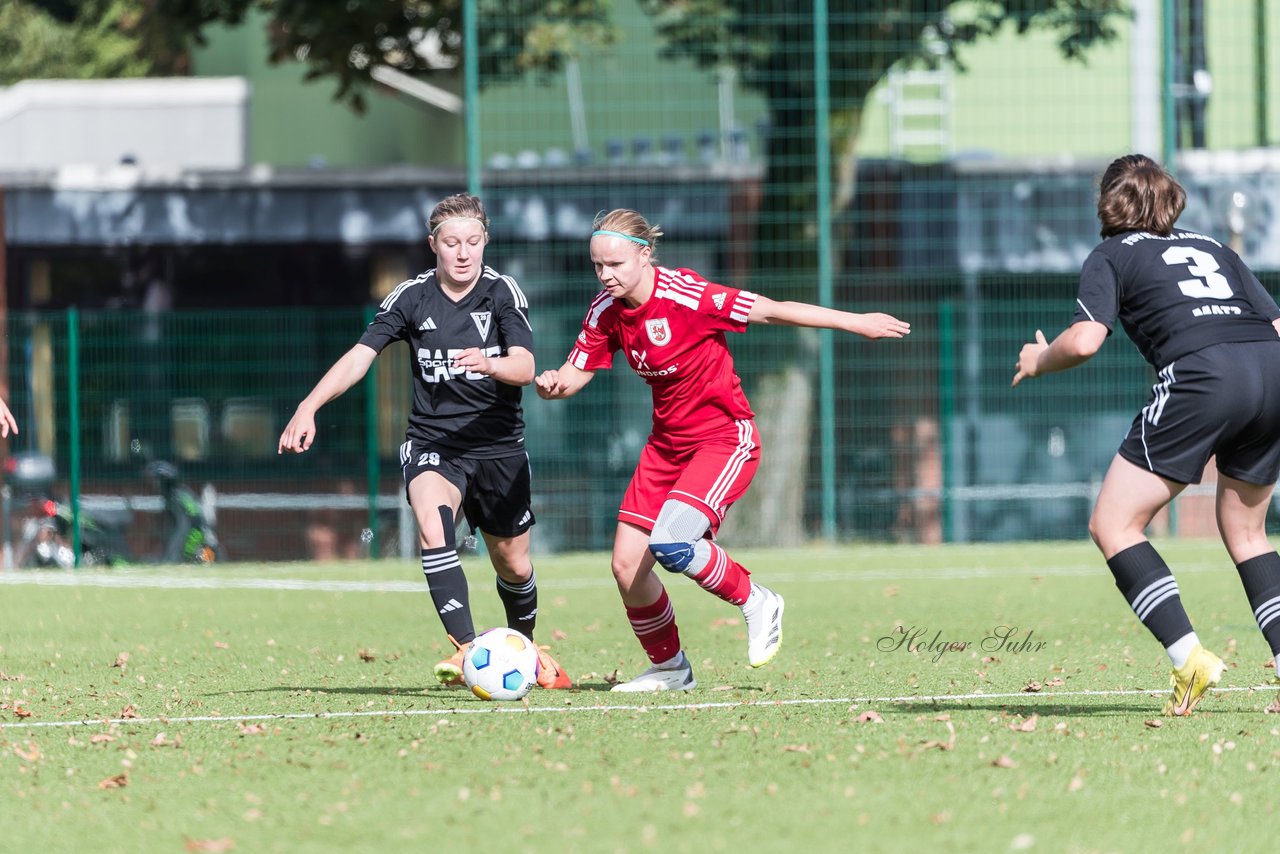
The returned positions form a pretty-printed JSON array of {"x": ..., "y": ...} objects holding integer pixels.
[{"x": 161, "y": 124}]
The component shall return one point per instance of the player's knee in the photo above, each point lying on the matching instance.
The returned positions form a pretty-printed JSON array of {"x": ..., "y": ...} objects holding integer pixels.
[{"x": 673, "y": 557}]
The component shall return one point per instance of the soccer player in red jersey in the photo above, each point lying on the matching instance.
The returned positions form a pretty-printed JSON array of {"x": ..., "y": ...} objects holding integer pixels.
[{"x": 704, "y": 448}]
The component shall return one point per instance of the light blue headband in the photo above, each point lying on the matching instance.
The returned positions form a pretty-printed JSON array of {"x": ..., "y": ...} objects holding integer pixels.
[{"x": 608, "y": 233}]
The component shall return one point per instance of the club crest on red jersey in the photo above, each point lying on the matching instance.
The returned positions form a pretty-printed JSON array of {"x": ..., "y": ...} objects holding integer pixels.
[{"x": 658, "y": 330}]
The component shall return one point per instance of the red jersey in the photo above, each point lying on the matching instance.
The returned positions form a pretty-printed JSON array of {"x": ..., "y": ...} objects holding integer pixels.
[{"x": 676, "y": 343}]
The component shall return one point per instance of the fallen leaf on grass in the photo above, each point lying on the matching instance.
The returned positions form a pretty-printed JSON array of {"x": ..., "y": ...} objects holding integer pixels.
[
  {"x": 1032, "y": 687},
  {"x": 1029, "y": 725},
  {"x": 32, "y": 754},
  {"x": 21, "y": 712},
  {"x": 161, "y": 740},
  {"x": 1154, "y": 723},
  {"x": 252, "y": 729},
  {"x": 949, "y": 744},
  {"x": 558, "y": 635},
  {"x": 611, "y": 678},
  {"x": 795, "y": 748},
  {"x": 1004, "y": 762},
  {"x": 870, "y": 717},
  {"x": 129, "y": 711},
  {"x": 1274, "y": 708},
  {"x": 101, "y": 738},
  {"x": 214, "y": 846},
  {"x": 365, "y": 655},
  {"x": 221, "y": 645},
  {"x": 119, "y": 781},
  {"x": 122, "y": 661},
  {"x": 1077, "y": 782},
  {"x": 1053, "y": 683}
]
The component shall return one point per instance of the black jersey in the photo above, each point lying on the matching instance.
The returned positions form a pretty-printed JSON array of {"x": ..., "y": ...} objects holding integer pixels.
[
  {"x": 453, "y": 408},
  {"x": 1174, "y": 295}
]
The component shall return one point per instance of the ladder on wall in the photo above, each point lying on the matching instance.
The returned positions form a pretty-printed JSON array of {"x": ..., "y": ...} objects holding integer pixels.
[{"x": 920, "y": 113}]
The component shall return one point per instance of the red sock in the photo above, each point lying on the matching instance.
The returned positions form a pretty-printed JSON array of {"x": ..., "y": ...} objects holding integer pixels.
[
  {"x": 655, "y": 627},
  {"x": 723, "y": 576}
]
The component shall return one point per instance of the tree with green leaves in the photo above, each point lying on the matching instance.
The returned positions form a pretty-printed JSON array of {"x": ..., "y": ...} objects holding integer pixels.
[
  {"x": 47, "y": 39},
  {"x": 772, "y": 48},
  {"x": 770, "y": 44},
  {"x": 339, "y": 41}
]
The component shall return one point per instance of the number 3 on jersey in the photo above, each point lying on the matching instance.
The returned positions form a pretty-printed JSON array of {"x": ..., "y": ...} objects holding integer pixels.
[{"x": 1209, "y": 283}]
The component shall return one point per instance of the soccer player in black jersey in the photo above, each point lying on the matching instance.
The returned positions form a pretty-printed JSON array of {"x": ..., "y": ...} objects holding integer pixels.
[
  {"x": 471, "y": 347},
  {"x": 1210, "y": 330}
]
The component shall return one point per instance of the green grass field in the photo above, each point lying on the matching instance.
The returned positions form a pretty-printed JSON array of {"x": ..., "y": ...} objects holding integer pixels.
[{"x": 291, "y": 708}]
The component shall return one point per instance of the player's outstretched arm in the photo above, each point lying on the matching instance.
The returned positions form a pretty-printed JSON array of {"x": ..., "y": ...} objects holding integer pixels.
[
  {"x": 515, "y": 368},
  {"x": 7, "y": 422},
  {"x": 300, "y": 432},
  {"x": 562, "y": 383},
  {"x": 1077, "y": 344},
  {"x": 875, "y": 325}
]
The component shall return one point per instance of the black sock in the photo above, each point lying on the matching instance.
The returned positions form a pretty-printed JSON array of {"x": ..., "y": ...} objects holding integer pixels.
[
  {"x": 521, "y": 604},
  {"x": 1151, "y": 591},
  {"x": 448, "y": 587},
  {"x": 1261, "y": 578}
]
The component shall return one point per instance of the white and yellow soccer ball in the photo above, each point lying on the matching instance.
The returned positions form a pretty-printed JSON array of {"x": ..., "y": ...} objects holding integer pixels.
[{"x": 500, "y": 664}]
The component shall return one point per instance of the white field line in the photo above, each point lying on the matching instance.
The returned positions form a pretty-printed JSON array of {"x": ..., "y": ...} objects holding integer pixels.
[
  {"x": 521, "y": 709},
  {"x": 210, "y": 580}
]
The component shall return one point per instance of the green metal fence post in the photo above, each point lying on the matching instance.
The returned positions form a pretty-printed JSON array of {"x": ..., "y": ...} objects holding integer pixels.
[
  {"x": 1261, "y": 114},
  {"x": 946, "y": 411},
  {"x": 73, "y": 422},
  {"x": 471, "y": 92},
  {"x": 372, "y": 463},
  {"x": 1168, "y": 101},
  {"x": 826, "y": 358}
]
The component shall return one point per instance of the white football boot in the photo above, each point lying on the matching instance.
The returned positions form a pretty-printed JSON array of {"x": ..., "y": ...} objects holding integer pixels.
[
  {"x": 763, "y": 614},
  {"x": 673, "y": 675}
]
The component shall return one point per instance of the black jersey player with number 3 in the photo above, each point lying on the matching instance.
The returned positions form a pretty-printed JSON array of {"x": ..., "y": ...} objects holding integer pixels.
[
  {"x": 1204, "y": 322},
  {"x": 471, "y": 347}
]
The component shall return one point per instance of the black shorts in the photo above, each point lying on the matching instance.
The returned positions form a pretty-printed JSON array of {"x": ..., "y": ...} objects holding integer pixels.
[
  {"x": 496, "y": 493},
  {"x": 1223, "y": 400}
]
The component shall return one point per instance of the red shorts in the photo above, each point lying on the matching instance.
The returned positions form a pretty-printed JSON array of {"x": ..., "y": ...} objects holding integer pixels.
[{"x": 709, "y": 474}]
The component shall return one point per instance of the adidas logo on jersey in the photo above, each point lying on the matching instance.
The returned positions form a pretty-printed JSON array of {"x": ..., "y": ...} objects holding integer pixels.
[
  {"x": 427, "y": 325},
  {"x": 452, "y": 605},
  {"x": 525, "y": 518},
  {"x": 718, "y": 299}
]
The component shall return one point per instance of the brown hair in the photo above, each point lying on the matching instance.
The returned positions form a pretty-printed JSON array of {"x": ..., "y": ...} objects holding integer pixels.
[
  {"x": 457, "y": 205},
  {"x": 1138, "y": 194},
  {"x": 631, "y": 224}
]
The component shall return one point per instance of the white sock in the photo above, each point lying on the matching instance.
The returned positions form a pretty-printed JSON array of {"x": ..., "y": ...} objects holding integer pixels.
[
  {"x": 1180, "y": 649},
  {"x": 675, "y": 662},
  {"x": 753, "y": 598}
]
